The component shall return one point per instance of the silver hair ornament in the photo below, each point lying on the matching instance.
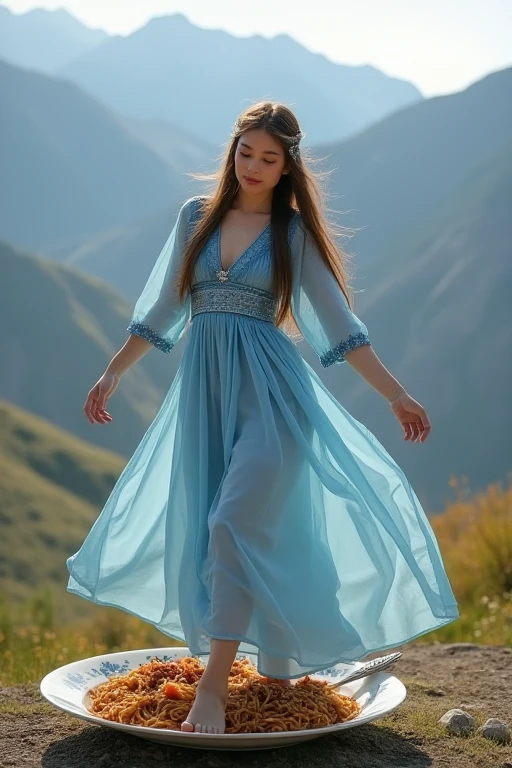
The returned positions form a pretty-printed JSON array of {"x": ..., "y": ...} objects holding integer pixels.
[
  {"x": 236, "y": 128},
  {"x": 293, "y": 149}
]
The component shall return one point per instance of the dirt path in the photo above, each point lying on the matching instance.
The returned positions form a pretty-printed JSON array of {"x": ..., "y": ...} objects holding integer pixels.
[{"x": 438, "y": 677}]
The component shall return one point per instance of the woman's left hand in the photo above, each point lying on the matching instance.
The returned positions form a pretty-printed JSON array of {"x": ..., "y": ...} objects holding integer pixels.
[{"x": 412, "y": 416}]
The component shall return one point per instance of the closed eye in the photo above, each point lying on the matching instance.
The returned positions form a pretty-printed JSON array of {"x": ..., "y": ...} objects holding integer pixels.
[{"x": 270, "y": 162}]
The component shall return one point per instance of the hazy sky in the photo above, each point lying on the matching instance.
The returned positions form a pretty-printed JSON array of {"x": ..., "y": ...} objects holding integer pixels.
[{"x": 439, "y": 45}]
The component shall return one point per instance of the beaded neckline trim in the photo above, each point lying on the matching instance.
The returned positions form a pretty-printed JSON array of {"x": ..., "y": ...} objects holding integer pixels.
[{"x": 224, "y": 274}]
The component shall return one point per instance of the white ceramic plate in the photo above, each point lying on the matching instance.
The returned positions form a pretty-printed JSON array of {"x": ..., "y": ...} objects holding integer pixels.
[{"x": 68, "y": 689}]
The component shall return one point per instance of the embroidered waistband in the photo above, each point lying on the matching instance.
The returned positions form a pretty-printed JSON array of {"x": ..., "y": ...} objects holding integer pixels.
[{"x": 212, "y": 296}]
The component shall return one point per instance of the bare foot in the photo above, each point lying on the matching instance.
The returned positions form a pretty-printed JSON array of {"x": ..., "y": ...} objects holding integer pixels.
[{"x": 208, "y": 713}]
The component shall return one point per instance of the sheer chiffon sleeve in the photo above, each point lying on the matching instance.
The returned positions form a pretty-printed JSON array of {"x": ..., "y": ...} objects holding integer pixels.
[
  {"x": 319, "y": 306},
  {"x": 158, "y": 315}
]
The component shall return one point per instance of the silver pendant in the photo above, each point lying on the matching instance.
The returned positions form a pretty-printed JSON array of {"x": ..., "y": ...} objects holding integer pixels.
[{"x": 222, "y": 275}]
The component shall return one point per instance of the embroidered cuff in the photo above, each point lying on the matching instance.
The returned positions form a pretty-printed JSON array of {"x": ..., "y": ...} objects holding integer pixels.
[
  {"x": 145, "y": 332},
  {"x": 337, "y": 353}
]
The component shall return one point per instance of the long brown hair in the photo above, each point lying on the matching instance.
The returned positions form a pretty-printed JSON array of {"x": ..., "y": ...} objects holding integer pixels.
[{"x": 300, "y": 189}]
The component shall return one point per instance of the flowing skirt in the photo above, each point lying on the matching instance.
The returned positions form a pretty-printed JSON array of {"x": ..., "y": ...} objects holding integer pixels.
[{"x": 256, "y": 508}]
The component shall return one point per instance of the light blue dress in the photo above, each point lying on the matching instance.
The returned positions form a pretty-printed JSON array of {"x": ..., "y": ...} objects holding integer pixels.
[{"x": 256, "y": 507}]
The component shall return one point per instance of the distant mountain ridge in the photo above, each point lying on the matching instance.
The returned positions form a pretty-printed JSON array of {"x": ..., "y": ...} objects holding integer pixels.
[
  {"x": 44, "y": 40},
  {"x": 200, "y": 79},
  {"x": 72, "y": 168},
  {"x": 396, "y": 172}
]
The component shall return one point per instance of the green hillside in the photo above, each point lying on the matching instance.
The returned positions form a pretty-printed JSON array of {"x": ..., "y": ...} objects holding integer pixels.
[
  {"x": 440, "y": 319},
  {"x": 64, "y": 327},
  {"x": 52, "y": 487}
]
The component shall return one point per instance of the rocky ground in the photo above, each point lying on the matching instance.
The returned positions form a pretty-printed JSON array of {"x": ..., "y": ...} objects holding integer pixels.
[{"x": 477, "y": 679}]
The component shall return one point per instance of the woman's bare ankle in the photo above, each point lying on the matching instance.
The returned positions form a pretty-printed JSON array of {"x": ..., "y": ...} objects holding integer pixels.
[{"x": 214, "y": 686}]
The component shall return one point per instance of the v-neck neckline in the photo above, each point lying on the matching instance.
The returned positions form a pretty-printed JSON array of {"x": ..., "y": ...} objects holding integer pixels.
[{"x": 219, "y": 250}]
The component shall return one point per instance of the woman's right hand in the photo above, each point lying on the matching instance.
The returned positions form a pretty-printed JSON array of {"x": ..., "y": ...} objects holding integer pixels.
[
  {"x": 412, "y": 416},
  {"x": 97, "y": 397}
]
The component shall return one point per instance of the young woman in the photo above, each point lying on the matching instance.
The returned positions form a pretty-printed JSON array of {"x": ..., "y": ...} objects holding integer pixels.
[{"x": 257, "y": 514}]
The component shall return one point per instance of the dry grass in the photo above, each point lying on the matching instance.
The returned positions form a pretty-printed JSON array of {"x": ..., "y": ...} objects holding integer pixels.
[{"x": 418, "y": 721}]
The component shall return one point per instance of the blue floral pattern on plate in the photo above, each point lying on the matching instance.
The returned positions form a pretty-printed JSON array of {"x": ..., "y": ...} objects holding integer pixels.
[{"x": 82, "y": 681}]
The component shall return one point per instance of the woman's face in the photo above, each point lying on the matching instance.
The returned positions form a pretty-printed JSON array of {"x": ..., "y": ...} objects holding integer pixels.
[{"x": 261, "y": 157}]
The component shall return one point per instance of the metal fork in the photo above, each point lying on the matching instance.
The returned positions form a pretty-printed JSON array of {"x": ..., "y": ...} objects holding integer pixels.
[{"x": 375, "y": 665}]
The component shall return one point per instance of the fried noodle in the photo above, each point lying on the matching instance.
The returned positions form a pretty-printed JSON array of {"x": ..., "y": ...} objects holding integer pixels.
[{"x": 160, "y": 694}]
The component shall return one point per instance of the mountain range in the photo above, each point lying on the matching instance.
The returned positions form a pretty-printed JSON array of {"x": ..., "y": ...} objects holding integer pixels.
[
  {"x": 199, "y": 79},
  {"x": 44, "y": 40},
  {"x": 71, "y": 168}
]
